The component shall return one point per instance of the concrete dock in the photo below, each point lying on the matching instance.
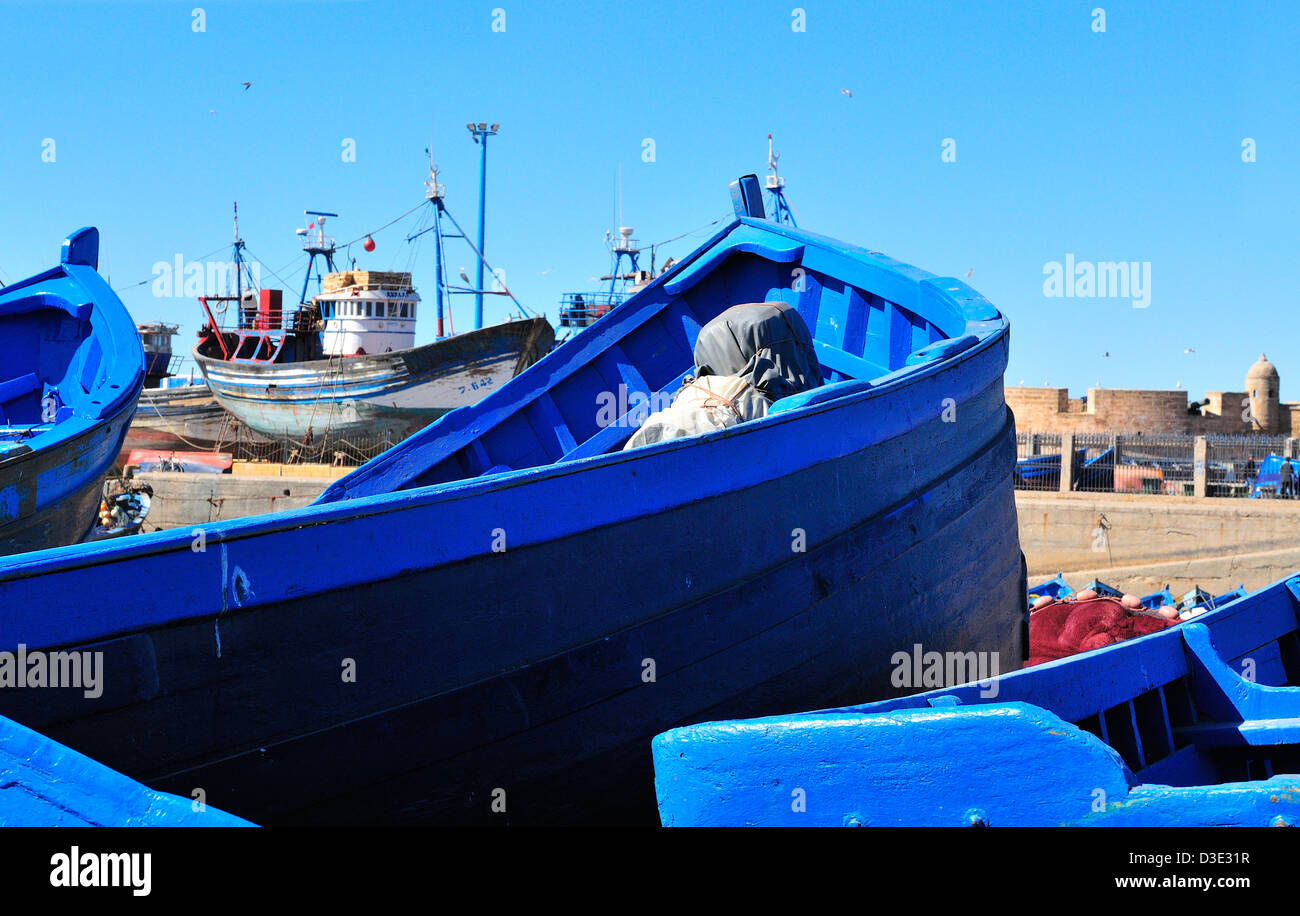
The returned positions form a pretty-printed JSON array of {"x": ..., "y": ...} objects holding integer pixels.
[{"x": 1140, "y": 542}]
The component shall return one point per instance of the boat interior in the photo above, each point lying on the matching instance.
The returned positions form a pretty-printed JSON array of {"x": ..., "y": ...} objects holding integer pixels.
[
  {"x": 60, "y": 370},
  {"x": 873, "y": 320},
  {"x": 1214, "y": 699}
]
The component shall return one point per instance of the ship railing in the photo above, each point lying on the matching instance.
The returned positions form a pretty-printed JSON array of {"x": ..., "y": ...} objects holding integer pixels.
[{"x": 578, "y": 310}]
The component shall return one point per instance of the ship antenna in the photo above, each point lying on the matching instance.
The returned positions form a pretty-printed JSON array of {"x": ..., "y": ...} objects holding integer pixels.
[
  {"x": 782, "y": 212},
  {"x": 239, "y": 257}
]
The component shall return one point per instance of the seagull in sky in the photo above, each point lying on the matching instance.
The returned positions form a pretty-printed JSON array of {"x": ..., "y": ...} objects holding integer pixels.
[
  {"x": 464, "y": 276},
  {"x": 247, "y": 85},
  {"x": 848, "y": 92}
]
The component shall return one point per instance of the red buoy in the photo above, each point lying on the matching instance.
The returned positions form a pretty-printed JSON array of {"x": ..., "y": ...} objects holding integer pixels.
[{"x": 369, "y": 245}]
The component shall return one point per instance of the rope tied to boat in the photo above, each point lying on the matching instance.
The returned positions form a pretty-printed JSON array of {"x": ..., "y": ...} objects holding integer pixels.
[{"x": 715, "y": 399}]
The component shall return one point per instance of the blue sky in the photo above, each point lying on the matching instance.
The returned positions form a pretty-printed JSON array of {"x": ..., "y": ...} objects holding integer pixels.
[{"x": 1122, "y": 145}]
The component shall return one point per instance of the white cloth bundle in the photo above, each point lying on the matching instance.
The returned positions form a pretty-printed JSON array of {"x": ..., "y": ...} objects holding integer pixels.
[{"x": 704, "y": 404}]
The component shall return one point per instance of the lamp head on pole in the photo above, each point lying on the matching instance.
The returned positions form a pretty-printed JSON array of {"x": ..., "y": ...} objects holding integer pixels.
[{"x": 481, "y": 130}]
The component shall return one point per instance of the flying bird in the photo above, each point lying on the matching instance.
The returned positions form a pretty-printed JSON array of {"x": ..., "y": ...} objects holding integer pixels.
[
  {"x": 1107, "y": 353},
  {"x": 1189, "y": 350},
  {"x": 247, "y": 85},
  {"x": 542, "y": 273},
  {"x": 971, "y": 271},
  {"x": 464, "y": 276},
  {"x": 848, "y": 92}
]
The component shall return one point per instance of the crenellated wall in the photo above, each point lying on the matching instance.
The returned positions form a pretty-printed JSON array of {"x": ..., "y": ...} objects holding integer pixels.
[{"x": 1119, "y": 410}]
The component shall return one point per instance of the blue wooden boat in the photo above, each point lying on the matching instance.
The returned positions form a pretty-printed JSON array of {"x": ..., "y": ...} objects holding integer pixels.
[
  {"x": 1055, "y": 587},
  {"x": 1198, "y": 724},
  {"x": 1157, "y": 600},
  {"x": 72, "y": 370},
  {"x": 1043, "y": 472},
  {"x": 504, "y": 609},
  {"x": 44, "y": 784}
]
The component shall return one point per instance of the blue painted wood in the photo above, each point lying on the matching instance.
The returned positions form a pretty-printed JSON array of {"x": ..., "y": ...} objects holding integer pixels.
[
  {"x": 1160, "y": 599},
  {"x": 1055, "y": 587},
  {"x": 71, "y": 369},
  {"x": 502, "y": 579},
  {"x": 1198, "y": 724},
  {"x": 44, "y": 784}
]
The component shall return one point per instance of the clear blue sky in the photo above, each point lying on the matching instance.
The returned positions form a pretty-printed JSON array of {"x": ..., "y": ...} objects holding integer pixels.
[{"x": 1122, "y": 145}]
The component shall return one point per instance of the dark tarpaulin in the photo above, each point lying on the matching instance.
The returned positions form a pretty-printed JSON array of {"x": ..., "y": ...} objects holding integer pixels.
[
  {"x": 765, "y": 343},
  {"x": 746, "y": 358}
]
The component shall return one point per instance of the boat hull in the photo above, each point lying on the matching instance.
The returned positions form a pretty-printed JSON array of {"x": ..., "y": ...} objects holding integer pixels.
[
  {"x": 180, "y": 419},
  {"x": 58, "y": 492},
  {"x": 390, "y": 394},
  {"x": 51, "y": 496}
]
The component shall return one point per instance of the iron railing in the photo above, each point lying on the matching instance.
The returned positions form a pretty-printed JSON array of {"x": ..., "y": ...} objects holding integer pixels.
[{"x": 1151, "y": 464}]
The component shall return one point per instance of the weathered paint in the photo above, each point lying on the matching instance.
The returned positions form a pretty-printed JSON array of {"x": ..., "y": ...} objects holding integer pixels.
[{"x": 229, "y": 665}]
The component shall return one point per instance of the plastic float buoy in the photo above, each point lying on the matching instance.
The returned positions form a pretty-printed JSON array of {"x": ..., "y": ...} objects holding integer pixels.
[{"x": 369, "y": 245}]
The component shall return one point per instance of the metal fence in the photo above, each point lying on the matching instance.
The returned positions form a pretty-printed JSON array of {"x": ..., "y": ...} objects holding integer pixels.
[
  {"x": 1152, "y": 464},
  {"x": 1234, "y": 462},
  {"x": 1038, "y": 461}
]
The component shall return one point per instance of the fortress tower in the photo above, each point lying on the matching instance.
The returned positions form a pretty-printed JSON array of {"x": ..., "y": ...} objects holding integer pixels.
[{"x": 1263, "y": 390}]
